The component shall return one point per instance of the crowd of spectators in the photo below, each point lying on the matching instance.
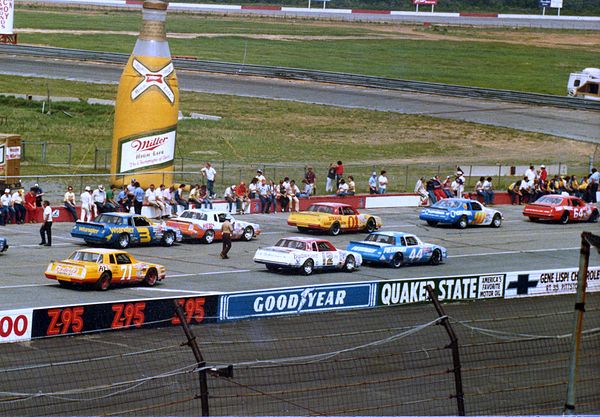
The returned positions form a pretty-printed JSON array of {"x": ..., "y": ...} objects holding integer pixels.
[{"x": 435, "y": 189}]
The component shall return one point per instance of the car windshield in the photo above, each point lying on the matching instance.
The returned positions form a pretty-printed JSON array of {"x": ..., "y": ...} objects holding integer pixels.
[
  {"x": 549, "y": 200},
  {"x": 85, "y": 256},
  {"x": 109, "y": 219},
  {"x": 292, "y": 244},
  {"x": 445, "y": 203},
  {"x": 193, "y": 215},
  {"x": 321, "y": 209},
  {"x": 380, "y": 239}
]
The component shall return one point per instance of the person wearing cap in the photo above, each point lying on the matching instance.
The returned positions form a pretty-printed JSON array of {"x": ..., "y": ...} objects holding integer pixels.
[
  {"x": 232, "y": 197},
  {"x": 210, "y": 173},
  {"x": 543, "y": 175},
  {"x": 39, "y": 193},
  {"x": 7, "y": 211},
  {"x": 259, "y": 176},
  {"x": 86, "y": 205},
  {"x": 20, "y": 212},
  {"x": 46, "y": 229},
  {"x": 131, "y": 187},
  {"x": 99, "y": 199},
  {"x": 264, "y": 194},
  {"x": 226, "y": 231},
  {"x": 30, "y": 206},
  {"x": 69, "y": 202},
  {"x": 373, "y": 189}
]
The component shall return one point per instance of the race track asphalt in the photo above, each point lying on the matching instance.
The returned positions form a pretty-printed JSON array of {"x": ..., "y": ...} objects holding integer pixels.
[{"x": 195, "y": 268}]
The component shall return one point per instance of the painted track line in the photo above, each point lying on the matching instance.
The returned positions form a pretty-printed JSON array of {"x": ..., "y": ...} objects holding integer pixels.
[
  {"x": 235, "y": 271},
  {"x": 204, "y": 293},
  {"x": 512, "y": 252}
]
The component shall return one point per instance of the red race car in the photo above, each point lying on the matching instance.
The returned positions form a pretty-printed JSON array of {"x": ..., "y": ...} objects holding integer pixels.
[{"x": 562, "y": 208}]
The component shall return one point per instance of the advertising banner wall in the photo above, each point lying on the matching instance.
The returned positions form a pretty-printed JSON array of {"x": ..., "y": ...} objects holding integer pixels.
[
  {"x": 296, "y": 300},
  {"x": 470, "y": 287},
  {"x": 7, "y": 15},
  {"x": 15, "y": 325},
  {"x": 549, "y": 282}
]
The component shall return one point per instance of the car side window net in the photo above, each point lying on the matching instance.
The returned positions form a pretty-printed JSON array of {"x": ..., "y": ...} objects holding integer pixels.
[
  {"x": 140, "y": 221},
  {"x": 123, "y": 259},
  {"x": 411, "y": 241}
]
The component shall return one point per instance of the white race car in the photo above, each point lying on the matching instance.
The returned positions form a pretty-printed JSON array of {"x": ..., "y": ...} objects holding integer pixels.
[
  {"x": 206, "y": 225},
  {"x": 307, "y": 254}
]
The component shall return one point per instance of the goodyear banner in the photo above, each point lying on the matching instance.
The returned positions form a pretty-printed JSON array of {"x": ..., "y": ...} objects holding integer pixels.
[
  {"x": 549, "y": 282},
  {"x": 456, "y": 288},
  {"x": 296, "y": 300}
]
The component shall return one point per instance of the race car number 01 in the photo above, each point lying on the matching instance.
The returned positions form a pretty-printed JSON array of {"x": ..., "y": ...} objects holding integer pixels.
[
  {"x": 193, "y": 309},
  {"x": 352, "y": 222},
  {"x": 17, "y": 326}
]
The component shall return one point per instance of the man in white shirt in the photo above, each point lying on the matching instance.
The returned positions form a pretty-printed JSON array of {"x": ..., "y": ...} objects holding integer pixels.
[
  {"x": 153, "y": 200},
  {"x": 382, "y": 182},
  {"x": 210, "y": 173},
  {"x": 69, "y": 202},
  {"x": 6, "y": 208},
  {"x": 526, "y": 189},
  {"x": 530, "y": 173},
  {"x": 259, "y": 175},
  {"x": 46, "y": 229},
  {"x": 86, "y": 205},
  {"x": 99, "y": 199},
  {"x": 20, "y": 210},
  {"x": 167, "y": 199}
]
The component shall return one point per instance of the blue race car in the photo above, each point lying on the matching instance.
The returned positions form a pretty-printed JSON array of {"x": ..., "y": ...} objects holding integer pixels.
[
  {"x": 461, "y": 212},
  {"x": 122, "y": 229},
  {"x": 397, "y": 249},
  {"x": 3, "y": 244}
]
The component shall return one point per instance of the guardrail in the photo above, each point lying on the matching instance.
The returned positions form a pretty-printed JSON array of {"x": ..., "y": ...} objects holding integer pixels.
[{"x": 316, "y": 76}]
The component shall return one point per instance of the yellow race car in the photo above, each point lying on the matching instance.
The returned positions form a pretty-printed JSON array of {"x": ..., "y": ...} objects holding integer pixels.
[
  {"x": 102, "y": 268},
  {"x": 333, "y": 218}
]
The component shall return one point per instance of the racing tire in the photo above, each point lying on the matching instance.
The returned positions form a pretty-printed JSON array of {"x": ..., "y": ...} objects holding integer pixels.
[
  {"x": 151, "y": 277},
  {"x": 248, "y": 233},
  {"x": 271, "y": 267},
  {"x": 64, "y": 284},
  {"x": 594, "y": 217},
  {"x": 397, "y": 260},
  {"x": 371, "y": 225},
  {"x": 303, "y": 229},
  {"x": 564, "y": 219},
  {"x": 123, "y": 241},
  {"x": 335, "y": 229},
  {"x": 308, "y": 267},
  {"x": 533, "y": 219},
  {"x": 168, "y": 238},
  {"x": 349, "y": 264},
  {"x": 436, "y": 257},
  {"x": 209, "y": 237},
  {"x": 432, "y": 222},
  {"x": 462, "y": 222},
  {"x": 496, "y": 221},
  {"x": 103, "y": 282}
]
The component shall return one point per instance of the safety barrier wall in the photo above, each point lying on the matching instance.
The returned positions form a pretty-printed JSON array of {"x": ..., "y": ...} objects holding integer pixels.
[{"x": 25, "y": 324}]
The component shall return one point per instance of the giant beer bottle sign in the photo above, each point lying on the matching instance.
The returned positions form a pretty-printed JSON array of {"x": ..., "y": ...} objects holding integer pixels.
[{"x": 147, "y": 107}]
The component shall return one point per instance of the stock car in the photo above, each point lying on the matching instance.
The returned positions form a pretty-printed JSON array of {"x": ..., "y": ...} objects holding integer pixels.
[
  {"x": 3, "y": 244},
  {"x": 206, "y": 225},
  {"x": 122, "y": 229},
  {"x": 305, "y": 255},
  {"x": 461, "y": 212},
  {"x": 561, "y": 208},
  {"x": 397, "y": 249},
  {"x": 333, "y": 218},
  {"x": 102, "y": 268}
]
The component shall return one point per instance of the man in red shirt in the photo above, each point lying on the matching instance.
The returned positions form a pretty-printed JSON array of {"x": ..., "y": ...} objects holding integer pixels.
[
  {"x": 339, "y": 173},
  {"x": 543, "y": 175},
  {"x": 242, "y": 192}
]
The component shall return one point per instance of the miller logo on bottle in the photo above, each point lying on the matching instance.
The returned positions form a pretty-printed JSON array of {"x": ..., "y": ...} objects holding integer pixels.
[{"x": 147, "y": 106}]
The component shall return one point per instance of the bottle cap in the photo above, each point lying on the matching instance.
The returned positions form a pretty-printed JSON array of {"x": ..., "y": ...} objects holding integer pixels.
[{"x": 155, "y": 5}]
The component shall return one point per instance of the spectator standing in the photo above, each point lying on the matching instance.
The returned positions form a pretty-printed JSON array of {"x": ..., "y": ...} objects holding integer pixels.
[
  {"x": 310, "y": 178},
  {"x": 138, "y": 198},
  {"x": 382, "y": 183},
  {"x": 264, "y": 195},
  {"x": 20, "y": 211},
  {"x": 373, "y": 188},
  {"x": 179, "y": 197},
  {"x": 330, "y": 178},
  {"x": 69, "y": 202},
  {"x": 530, "y": 173},
  {"x": 39, "y": 193},
  {"x": 514, "y": 191},
  {"x": 526, "y": 189},
  {"x": 488, "y": 192},
  {"x": 210, "y": 173},
  {"x": 543, "y": 177},
  {"x": 30, "y": 206},
  {"x": 422, "y": 192},
  {"x": 447, "y": 187},
  {"x": 86, "y": 205},
  {"x": 593, "y": 185},
  {"x": 339, "y": 173},
  {"x": 226, "y": 230},
  {"x": 259, "y": 176},
  {"x": 437, "y": 188},
  {"x": 46, "y": 229},
  {"x": 431, "y": 190}
]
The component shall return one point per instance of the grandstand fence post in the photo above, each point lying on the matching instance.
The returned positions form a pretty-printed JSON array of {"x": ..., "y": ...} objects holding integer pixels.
[
  {"x": 198, "y": 355},
  {"x": 587, "y": 239},
  {"x": 460, "y": 396}
]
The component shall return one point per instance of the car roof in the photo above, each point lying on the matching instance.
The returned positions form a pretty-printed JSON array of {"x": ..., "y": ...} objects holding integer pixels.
[
  {"x": 392, "y": 233},
  {"x": 462, "y": 200},
  {"x": 207, "y": 211},
  {"x": 102, "y": 251},
  {"x": 119, "y": 214},
  {"x": 304, "y": 239},
  {"x": 332, "y": 204}
]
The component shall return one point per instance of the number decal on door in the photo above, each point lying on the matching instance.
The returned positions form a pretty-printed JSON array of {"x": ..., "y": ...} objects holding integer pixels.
[
  {"x": 126, "y": 272},
  {"x": 144, "y": 233}
]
